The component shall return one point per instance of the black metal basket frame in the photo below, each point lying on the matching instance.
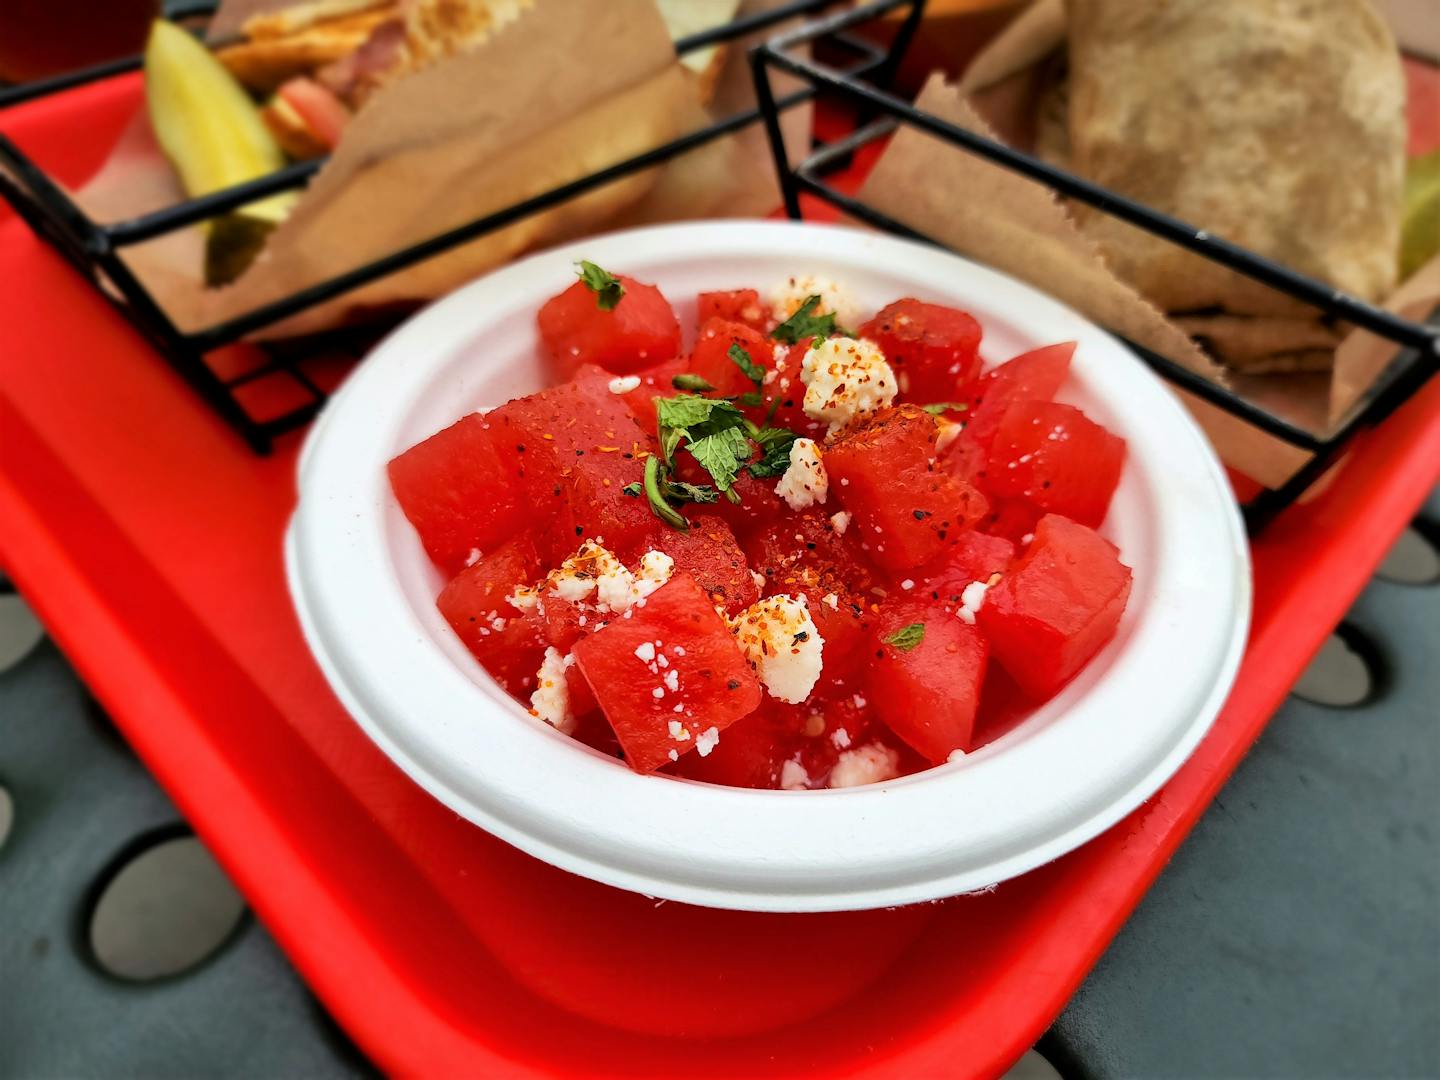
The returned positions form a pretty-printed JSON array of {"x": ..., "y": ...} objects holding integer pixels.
[
  {"x": 1416, "y": 361},
  {"x": 94, "y": 248}
]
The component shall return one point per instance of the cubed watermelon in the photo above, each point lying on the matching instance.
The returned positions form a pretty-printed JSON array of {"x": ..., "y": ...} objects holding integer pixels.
[
  {"x": 511, "y": 650},
  {"x": 1057, "y": 459},
  {"x": 655, "y": 382},
  {"x": 906, "y": 509},
  {"x": 571, "y": 451},
  {"x": 784, "y": 393},
  {"x": 1057, "y": 606},
  {"x": 933, "y": 349},
  {"x": 477, "y": 596},
  {"x": 638, "y": 332},
  {"x": 709, "y": 553},
  {"x": 1033, "y": 376},
  {"x": 926, "y": 677},
  {"x": 977, "y": 557},
  {"x": 737, "y": 305},
  {"x": 710, "y": 359},
  {"x": 704, "y": 685},
  {"x": 458, "y": 493}
]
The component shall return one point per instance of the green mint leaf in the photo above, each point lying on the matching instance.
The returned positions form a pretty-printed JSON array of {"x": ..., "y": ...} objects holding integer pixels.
[
  {"x": 754, "y": 397},
  {"x": 685, "y": 411},
  {"x": 605, "y": 285},
  {"x": 939, "y": 408},
  {"x": 697, "y": 383},
  {"x": 907, "y": 637},
  {"x": 775, "y": 446},
  {"x": 697, "y": 493},
  {"x": 722, "y": 454},
  {"x": 753, "y": 371},
  {"x": 804, "y": 325}
]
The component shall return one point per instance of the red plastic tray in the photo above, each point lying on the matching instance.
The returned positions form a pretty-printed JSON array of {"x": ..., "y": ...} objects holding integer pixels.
[{"x": 149, "y": 539}]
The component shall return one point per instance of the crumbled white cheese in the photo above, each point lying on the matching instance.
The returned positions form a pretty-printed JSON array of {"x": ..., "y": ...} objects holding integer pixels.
[
  {"x": 907, "y": 584},
  {"x": 971, "y": 599},
  {"x": 472, "y": 558},
  {"x": 672, "y": 681},
  {"x": 674, "y": 755},
  {"x": 948, "y": 431},
  {"x": 804, "y": 483},
  {"x": 645, "y": 651},
  {"x": 869, "y": 764},
  {"x": 955, "y": 755},
  {"x": 623, "y": 384},
  {"x": 706, "y": 741},
  {"x": 831, "y": 601},
  {"x": 840, "y": 522},
  {"x": 678, "y": 731},
  {"x": 841, "y": 738},
  {"x": 793, "y": 777},
  {"x": 620, "y": 590},
  {"x": 779, "y": 639},
  {"x": 758, "y": 579},
  {"x": 551, "y": 698},
  {"x": 789, "y": 295},
  {"x": 595, "y": 569},
  {"x": 845, "y": 381}
]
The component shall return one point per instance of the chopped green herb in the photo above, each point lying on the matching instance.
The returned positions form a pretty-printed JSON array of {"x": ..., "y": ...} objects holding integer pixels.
[
  {"x": 804, "y": 325},
  {"x": 907, "y": 637},
  {"x": 698, "y": 493},
  {"x": 695, "y": 383},
  {"x": 722, "y": 454},
  {"x": 686, "y": 411},
  {"x": 939, "y": 408},
  {"x": 658, "y": 506},
  {"x": 605, "y": 285},
  {"x": 753, "y": 371},
  {"x": 634, "y": 490},
  {"x": 775, "y": 446},
  {"x": 753, "y": 398}
]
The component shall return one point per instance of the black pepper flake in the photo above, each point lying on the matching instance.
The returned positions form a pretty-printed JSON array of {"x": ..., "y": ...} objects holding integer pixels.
[
  {"x": 920, "y": 515},
  {"x": 810, "y": 547},
  {"x": 520, "y": 448},
  {"x": 579, "y": 530},
  {"x": 557, "y": 491},
  {"x": 733, "y": 684},
  {"x": 579, "y": 453},
  {"x": 803, "y": 635},
  {"x": 880, "y": 654},
  {"x": 628, "y": 456}
]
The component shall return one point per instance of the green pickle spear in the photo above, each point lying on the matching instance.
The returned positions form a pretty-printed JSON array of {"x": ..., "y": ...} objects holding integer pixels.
[{"x": 212, "y": 133}]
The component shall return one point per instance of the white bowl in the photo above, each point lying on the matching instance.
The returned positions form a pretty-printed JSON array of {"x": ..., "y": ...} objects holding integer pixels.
[{"x": 365, "y": 594}]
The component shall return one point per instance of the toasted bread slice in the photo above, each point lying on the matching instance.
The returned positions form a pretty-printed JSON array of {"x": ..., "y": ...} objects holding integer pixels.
[
  {"x": 270, "y": 25},
  {"x": 686, "y": 17}
]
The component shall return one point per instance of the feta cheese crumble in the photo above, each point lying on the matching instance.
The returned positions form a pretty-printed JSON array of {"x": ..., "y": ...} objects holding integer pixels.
[
  {"x": 845, "y": 381},
  {"x": 793, "y": 777},
  {"x": 706, "y": 741},
  {"x": 550, "y": 700},
  {"x": 840, "y": 522},
  {"x": 870, "y": 764},
  {"x": 841, "y": 738},
  {"x": 955, "y": 755},
  {"x": 789, "y": 295},
  {"x": 804, "y": 483},
  {"x": 678, "y": 731},
  {"x": 971, "y": 599},
  {"x": 947, "y": 432},
  {"x": 779, "y": 639},
  {"x": 594, "y": 569},
  {"x": 623, "y": 384}
]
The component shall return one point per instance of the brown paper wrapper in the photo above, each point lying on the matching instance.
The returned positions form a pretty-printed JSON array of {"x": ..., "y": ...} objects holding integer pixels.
[
  {"x": 1016, "y": 225},
  {"x": 565, "y": 90}
]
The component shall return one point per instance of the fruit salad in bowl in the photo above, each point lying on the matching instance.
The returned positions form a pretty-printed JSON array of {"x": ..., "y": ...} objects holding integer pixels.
[{"x": 769, "y": 566}]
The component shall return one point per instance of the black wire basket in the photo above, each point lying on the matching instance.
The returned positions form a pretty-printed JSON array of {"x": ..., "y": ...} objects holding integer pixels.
[
  {"x": 94, "y": 248},
  {"x": 1416, "y": 361}
]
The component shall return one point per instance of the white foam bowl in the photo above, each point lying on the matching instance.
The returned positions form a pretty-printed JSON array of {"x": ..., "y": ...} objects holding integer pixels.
[{"x": 365, "y": 594}]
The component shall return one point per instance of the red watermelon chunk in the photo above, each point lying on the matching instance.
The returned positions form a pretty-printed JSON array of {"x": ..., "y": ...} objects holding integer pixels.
[
  {"x": 711, "y": 361},
  {"x": 704, "y": 683},
  {"x": 1057, "y": 606},
  {"x": 784, "y": 393},
  {"x": 478, "y": 595},
  {"x": 654, "y": 382},
  {"x": 571, "y": 451},
  {"x": 639, "y": 332},
  {"x": 710, "y": 554},
  {"x": 977, "y": 557},
  {"x": 933, "y": 349},
  {"x": 737, "y": 305},
  {"x": 907, "y": 510},
  {"x": 511, "y": 650},
  {"x": 457, "y": 493},
  {"x": 926, "y": 677},
  {"x": 1033, "y": 376},
  {"x": 1057, "y": 459}
]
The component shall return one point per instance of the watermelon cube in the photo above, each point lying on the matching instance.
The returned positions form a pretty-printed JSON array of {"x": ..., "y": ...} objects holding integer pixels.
[
  {"x": 458, "y": 494},
  {"x": 654, "y": 382},
  {"x": 571, "y": 451},
  {"x": 478, "y": 595},
  {"x": 711, "y": 360},
  {"x": 926, "y": 677},
  {"x": 907, "y": 511},
  {"x": 1057, "y": 459},
  {"x": 710, "y": 554},
  {"x": 1057, "y": 606},
  {"x": 736, "y": 305},
  {"x": 638, "y": 332},
  {"x": 670, "y": 677},
  {"x": 1033, "y": 376},
  {"x": 933, "y": 349},
  {"x": 977, "y": 557}
]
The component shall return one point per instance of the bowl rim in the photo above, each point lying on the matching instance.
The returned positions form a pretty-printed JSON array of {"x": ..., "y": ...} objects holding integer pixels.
[{"x": 1022, "y": 805}]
